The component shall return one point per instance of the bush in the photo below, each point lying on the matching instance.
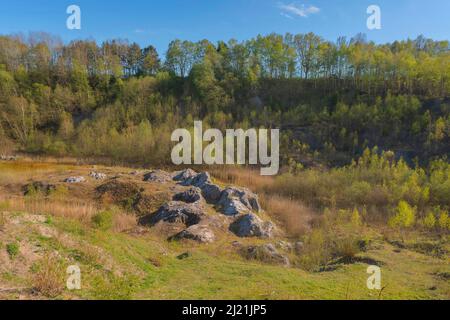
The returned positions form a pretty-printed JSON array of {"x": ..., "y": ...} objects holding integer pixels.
[
  {"x": 48, "y": 279},
  {"x": 429, "y": 221},
  {"x": 316, "y": 251},
  {"x": 103, "y": 220},
  {"x": 444, "y": 221},
  {"x": 12, "y": 249},
  {"x": 355, "y": 218},
  {"x": 346, "y": 248},
  {"x": 405, "y": 216}
]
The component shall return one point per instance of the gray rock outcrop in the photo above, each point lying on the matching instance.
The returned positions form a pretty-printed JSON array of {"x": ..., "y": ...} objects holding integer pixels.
[
  {"x": 189, "y": 196},
  {"x": 75, "y": 180},
  {"x": 211, "y": 192},
  {"x": 266, "y": 253},
  {"x": 159, "y": 176},
  {"x": 176, "y": 212},
  {"x": 185, "y": 176},
  {"x": 234, "y": 201},
  {"x": 250, "y": 225},
  {"x": 199, "y": 233}
]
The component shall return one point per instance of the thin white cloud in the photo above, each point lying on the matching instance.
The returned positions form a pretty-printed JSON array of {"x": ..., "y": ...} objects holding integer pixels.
[
  {"x": 299, "y": 10},
  {"x": 286, "y": 15}
]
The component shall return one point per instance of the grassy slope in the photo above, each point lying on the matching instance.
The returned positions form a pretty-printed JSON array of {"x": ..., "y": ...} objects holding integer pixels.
[{"x": 144, "y": 266}]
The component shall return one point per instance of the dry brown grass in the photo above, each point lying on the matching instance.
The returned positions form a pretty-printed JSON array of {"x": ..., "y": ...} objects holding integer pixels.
[
  {"x": 20, "y": 171},
  {"x": 292, "y": 214},
  {"x": 249, "y": 178},
  {"x": 124, "y": 222},
  {"x": 49, "y": 278},
  {"x": 81, "y": 211}
]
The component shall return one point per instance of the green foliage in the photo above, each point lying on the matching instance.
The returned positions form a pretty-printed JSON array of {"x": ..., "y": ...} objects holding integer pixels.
[
  {"x": 316, "y": 253},
  {"x": 334, "y": 101},
  {"x": 356, "y": 218},
  {"x": 12, "y": 249},
  {"x": 429, "y": 221},
  {"x": 103, "y": 220},
  {"x": 405, "y": 216},
  {"x": 444, "y": 221}
]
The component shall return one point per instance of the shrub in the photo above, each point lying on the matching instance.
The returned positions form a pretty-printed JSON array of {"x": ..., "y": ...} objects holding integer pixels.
[
  {"x": 346, "y": 248},
  {"x": 295, "y": 216},
  {"x": 103, "y": 220},
  {"x": 355, "y": 218},
  {"x": 405, "y": 216},
  {"x": 316, "y": 251},
  {"x": 48, "y": 279},
  {"x": 12, "y": 249},
  {"x": 444, "y": 220},
  {"x": 429, "y": 221}
]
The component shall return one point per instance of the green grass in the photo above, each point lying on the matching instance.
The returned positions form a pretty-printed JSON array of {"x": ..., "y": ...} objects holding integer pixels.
[
  {"x": 122, "y": 266},
  {"x": 211, "y": 274}
]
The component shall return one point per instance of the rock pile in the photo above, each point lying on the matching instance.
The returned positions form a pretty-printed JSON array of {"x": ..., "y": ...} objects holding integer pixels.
[{"x": 240, "y": 205}]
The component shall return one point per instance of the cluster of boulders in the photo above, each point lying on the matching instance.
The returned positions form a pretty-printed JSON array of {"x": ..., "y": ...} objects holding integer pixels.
[
  {"x": 195, "y": 209},
  {"x": 239, "y": 205},
  {"x": 80, "y": 179}
]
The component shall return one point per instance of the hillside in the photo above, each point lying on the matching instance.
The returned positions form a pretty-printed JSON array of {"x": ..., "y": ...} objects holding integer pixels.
[{"x": 106, "y": 225}]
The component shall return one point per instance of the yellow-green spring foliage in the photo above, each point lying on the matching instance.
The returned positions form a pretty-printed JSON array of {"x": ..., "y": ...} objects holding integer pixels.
[{"x": 405, "y": 216}]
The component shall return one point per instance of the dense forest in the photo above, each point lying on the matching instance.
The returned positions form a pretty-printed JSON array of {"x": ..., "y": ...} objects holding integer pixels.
[{"x": 332, "y": 100}]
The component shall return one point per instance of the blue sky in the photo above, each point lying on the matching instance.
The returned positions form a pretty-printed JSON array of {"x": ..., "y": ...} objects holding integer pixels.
[{"x": 158, "y": 22}]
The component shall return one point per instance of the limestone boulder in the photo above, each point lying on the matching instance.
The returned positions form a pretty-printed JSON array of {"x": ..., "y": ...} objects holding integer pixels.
[
  {"x": 266, "y": 253},
  {"x": 158, "y": 176},
  {"x": 75, "y": 180},
  {"x": 250, "y": 225},
  {"x": 176, "y": 212},
  {"x": 234, "y": 201},
  {"x": 199, "y": 233},
  {"x": 191, "y": 195}
]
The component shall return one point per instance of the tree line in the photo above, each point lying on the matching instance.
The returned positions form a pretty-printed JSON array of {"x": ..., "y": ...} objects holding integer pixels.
[
  {"x": 338, "y": 97},
  {"x": 420, "y": 65}
]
